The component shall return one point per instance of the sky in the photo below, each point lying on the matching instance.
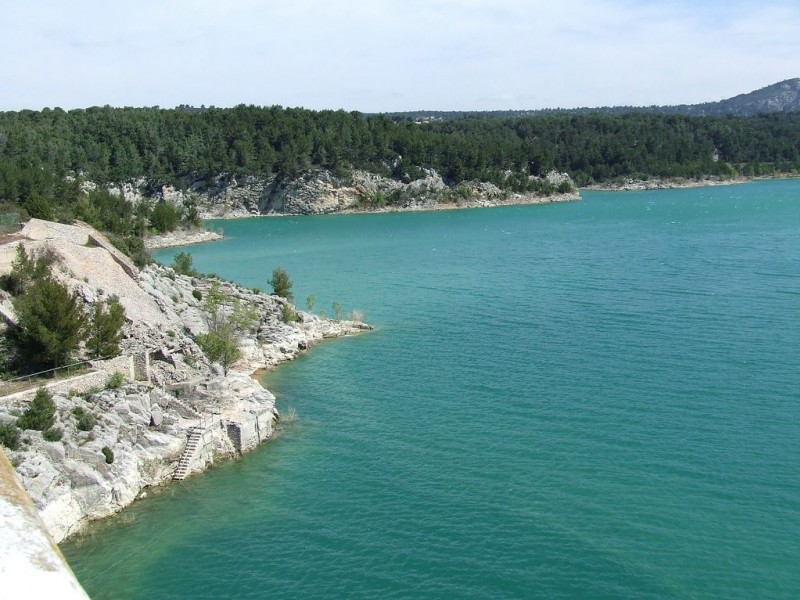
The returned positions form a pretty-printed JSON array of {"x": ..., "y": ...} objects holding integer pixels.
[{"x": 392, "y": 55}]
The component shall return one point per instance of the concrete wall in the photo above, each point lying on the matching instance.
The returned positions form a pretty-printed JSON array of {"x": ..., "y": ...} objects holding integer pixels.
[
  {"x": 250, "y": 429},
  {"x": 31, "y": 565}
]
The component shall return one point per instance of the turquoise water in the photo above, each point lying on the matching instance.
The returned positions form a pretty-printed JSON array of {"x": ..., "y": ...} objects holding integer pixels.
[{"x": 589, "y": 400}]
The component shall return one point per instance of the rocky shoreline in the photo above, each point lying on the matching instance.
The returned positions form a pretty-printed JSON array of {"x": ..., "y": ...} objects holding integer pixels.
[
  {"x": 181, "y": 237},
  {"x": 666, "y": 183},
  {"x": 170, "y": 412}
]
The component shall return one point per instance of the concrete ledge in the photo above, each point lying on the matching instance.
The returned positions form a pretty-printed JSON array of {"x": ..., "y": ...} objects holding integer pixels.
[{"x": 31, "y": 565}]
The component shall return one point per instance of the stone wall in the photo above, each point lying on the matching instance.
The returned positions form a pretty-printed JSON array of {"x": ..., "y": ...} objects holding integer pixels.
[{"x": 80, "y": 384}]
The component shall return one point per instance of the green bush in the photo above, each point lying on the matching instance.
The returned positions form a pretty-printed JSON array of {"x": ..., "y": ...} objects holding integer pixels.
[
  {"x": 53, "y": 434},
  {"x": 109, "y": 454},
  {"x": 165, "y": 217},
  {"x": 198, "y": 295},
  {"x": 9, "y": 436},
  {"x": 565, "y": 187},
  {"x": 40, "y": 415},
  {"x": 86, "y": 420},
  {"x": 115, "y": 381},
  {"x": 287, "y": 314},
  {"x": 133, "y": 247}
]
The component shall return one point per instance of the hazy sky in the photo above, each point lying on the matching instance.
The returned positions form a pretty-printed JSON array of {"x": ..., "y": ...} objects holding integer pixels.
[{"x": 386, "y": 55}]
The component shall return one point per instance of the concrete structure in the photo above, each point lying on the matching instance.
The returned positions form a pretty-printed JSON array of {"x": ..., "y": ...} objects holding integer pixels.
[{"x": 31, "y": 565}]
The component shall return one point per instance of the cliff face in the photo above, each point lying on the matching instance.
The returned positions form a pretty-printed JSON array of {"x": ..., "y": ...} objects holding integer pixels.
[
  {"x": 175, "y": 413},
  {"x": 320, "y": 192}
]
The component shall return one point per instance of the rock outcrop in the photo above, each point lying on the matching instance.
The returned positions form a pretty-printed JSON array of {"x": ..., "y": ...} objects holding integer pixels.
[
  {"x": 176, "y": 412},
  {"x": 321, "y": 192}
]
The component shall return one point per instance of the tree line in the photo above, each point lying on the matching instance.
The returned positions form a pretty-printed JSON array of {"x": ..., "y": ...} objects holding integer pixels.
[{"x": 40, "y": 150}]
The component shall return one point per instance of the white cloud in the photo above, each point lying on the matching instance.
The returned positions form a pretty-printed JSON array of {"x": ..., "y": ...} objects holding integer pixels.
[{"x": 392, "y": 55}]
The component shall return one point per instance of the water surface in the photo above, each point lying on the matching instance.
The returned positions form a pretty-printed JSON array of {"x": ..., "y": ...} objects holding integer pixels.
[{"x": 587, "y": 400}]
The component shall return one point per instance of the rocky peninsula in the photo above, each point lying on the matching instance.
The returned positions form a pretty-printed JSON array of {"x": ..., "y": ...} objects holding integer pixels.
[{"x": 161, "y": 410}]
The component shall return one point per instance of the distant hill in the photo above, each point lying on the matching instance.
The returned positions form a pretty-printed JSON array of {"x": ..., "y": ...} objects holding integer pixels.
[{"x": 778, "y": 97}]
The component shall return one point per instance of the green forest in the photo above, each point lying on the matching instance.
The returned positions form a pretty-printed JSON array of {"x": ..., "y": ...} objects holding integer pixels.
[{"x": 42, "y": 151}]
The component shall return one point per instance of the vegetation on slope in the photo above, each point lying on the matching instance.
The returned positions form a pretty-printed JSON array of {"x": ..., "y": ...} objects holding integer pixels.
[
  {"x": 53, "y": 324},
  {"x": 41, "y": 150}
]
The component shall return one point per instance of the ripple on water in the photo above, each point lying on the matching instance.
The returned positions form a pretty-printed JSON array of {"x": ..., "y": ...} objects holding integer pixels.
[{"x": 595, "y": 400}]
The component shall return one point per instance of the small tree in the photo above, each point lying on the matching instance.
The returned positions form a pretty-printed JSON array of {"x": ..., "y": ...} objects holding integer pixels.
[
  {"x": 182, "y": 263},
  {"x": 24, "y": 270},
  {"x": 337, "y": 311},
  {"x": 281, "y": 284},
  {"x": 221, "y": 346},
  {"x": 40, "y": 414},
  {"x": 51, "y": 322},
  {"x": 105, "y": 328},
  {"x": 310, "y": 302},
  {"x": 214, "y": 305},
  {"x": 225, "y": 327}
]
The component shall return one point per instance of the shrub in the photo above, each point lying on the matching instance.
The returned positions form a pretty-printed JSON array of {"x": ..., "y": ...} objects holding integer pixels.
[
  {"x": 165, "y": 217},
  {"x": 133, "y": 247},
  {"x": 115, "y": 381},
  {"x": 198, "y": 295},
  {"x": 287, "y": 314},
  {"x": 40, "y": 415},
  {"x": 86, "y": 420},
  {"x": 39, "y": 207},
  {"x": 9, "y": 436},
  {"x": 53, "y": 434},
  {"x": 109, "y": 454},
  {"x": 565, "y": 187}
]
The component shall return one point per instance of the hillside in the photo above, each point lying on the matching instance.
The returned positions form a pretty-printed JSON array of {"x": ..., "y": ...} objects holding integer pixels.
[
  {"x": 783, "y": 96},
  {"x": 58, "y": 165}
]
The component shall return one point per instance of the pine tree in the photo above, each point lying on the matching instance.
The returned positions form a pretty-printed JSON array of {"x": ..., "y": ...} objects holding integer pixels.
[
  {"x": 51, "y": 322},
  {"x": 105, "y": 328},
  {"x": 281, "y": 284}
]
